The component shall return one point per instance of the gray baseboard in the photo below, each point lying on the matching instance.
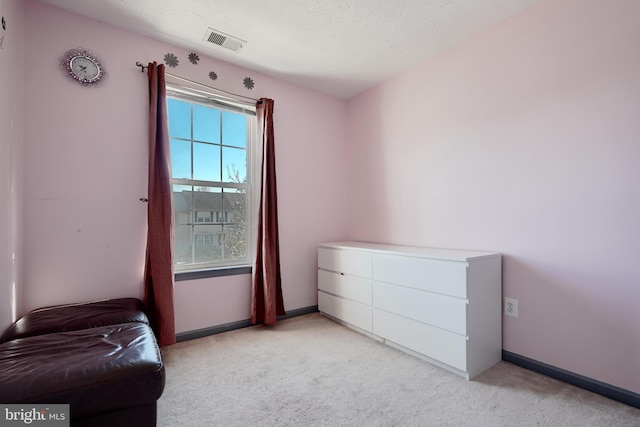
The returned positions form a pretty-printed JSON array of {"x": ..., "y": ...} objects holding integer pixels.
[
  {"x": 218, "y": 329},
  {"x": 612, "y": 392}
]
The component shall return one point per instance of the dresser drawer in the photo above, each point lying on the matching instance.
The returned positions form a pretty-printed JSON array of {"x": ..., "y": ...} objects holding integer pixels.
[
  {"x": 349, "y": 311},
  {"x": 436, "y": 343},
  {"x": 346, "y": 261},
  {"x": 352, "y": 287},
  {"x": 443, "y": 277},
  {"x": 438, "y": 310}
]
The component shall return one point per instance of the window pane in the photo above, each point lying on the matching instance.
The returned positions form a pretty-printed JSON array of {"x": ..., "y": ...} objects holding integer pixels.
[
  {"x": 206, "y": 124},
  {"x": 234, "y": 165},
  {"x": 182, "y": 195},
  {"x": 207, "y": 200},
  {"x": 206, "y": 162},
  {"x": 181, "y": 159},
  {"x": 206, "y": 248},
  {"x": 179, "y": 118},
  {"x": 234, "y": 129},
  {"x": 235, "y": 226}
]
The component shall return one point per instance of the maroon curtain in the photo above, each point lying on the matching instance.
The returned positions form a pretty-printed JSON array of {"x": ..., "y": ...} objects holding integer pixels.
[
  {"x": 266, "y": 290},
  {"x": 159, "y": 261}
]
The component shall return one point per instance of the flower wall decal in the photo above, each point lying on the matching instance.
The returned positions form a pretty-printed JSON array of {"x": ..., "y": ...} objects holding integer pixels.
[
  {"x": 171, "y": 60},
  {"x": 194, "y": 58},
  {"x": 213, "y": 75},
  {"x": 4, "y": 28},
  {"x": 248, "y": 83}
]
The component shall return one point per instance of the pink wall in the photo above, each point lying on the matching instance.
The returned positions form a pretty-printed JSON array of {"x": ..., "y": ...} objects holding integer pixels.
[
  {"x": 523, "y": 140},
  {"x": 85, "y": 168},
  {"x": 10, "y": 161}
]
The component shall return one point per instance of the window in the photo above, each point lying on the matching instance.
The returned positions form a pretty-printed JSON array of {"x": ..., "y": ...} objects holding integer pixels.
[
  {"x": 211, "y": 145},
  {"x": 203, "y": 216},
  {"x": 222, "y": 216},
  {"x": 204, "y": 239}
]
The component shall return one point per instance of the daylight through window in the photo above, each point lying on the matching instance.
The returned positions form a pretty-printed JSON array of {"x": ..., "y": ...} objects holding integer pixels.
[{"x": 211, "y": 145}]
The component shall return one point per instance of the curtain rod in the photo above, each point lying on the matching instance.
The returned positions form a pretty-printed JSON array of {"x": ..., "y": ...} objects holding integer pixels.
[{"x": 143, "y": 67}]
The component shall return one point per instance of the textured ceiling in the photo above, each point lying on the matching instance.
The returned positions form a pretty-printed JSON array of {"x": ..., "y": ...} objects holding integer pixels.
[{"x": 339, "y": 47}]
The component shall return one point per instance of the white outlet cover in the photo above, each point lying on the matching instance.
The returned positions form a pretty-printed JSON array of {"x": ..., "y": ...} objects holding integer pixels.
[{"x": 511, "y": 307}]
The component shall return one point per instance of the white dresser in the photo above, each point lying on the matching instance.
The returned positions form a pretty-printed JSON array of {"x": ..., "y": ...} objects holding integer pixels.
[{"x": 441, "y": 305}]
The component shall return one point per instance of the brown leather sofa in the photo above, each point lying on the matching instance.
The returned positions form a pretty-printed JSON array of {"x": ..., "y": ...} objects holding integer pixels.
[{"x": 101, "y": 358}]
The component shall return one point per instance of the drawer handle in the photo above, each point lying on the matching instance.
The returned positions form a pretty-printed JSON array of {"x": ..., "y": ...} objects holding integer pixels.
[{"x": 342, "y": 274}]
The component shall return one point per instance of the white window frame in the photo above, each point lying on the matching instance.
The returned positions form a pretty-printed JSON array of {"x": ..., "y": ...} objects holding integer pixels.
[{"x": 225, "y": 103}]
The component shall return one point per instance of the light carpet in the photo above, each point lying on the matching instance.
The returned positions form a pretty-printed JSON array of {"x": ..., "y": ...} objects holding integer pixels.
[{"x": 312, "y": 371}]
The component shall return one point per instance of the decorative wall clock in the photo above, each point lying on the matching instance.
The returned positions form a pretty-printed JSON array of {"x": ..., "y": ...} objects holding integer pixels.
[{"x": 83, "y": 66}]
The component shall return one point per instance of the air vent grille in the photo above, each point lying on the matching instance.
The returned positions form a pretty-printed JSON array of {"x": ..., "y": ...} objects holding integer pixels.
[
  {"x": 216, "y": 38},
  {"x": 221, "y": 39}
]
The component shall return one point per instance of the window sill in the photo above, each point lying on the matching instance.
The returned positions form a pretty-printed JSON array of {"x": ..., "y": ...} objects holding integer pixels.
[{"x": 216, "y": 272}]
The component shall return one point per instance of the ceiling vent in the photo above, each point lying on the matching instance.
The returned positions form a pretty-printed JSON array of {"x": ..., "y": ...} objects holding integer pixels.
[{"x": 221, "y": 39}]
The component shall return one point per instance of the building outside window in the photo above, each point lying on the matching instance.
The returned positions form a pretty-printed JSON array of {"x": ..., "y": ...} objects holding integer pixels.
[{"x": 211, "y": 145}]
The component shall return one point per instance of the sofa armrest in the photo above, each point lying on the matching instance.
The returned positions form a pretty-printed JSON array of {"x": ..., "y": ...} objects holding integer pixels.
[{"x": 73, "y": 317}]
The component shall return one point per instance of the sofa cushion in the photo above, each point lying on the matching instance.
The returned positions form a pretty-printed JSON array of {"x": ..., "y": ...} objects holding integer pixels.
[
  {"x": 71, "y": 317},
  {"x": 94, "y": 370}
]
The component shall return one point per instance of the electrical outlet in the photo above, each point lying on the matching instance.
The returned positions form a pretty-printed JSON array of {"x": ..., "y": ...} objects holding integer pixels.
[{"x": 511, "y": 307}]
